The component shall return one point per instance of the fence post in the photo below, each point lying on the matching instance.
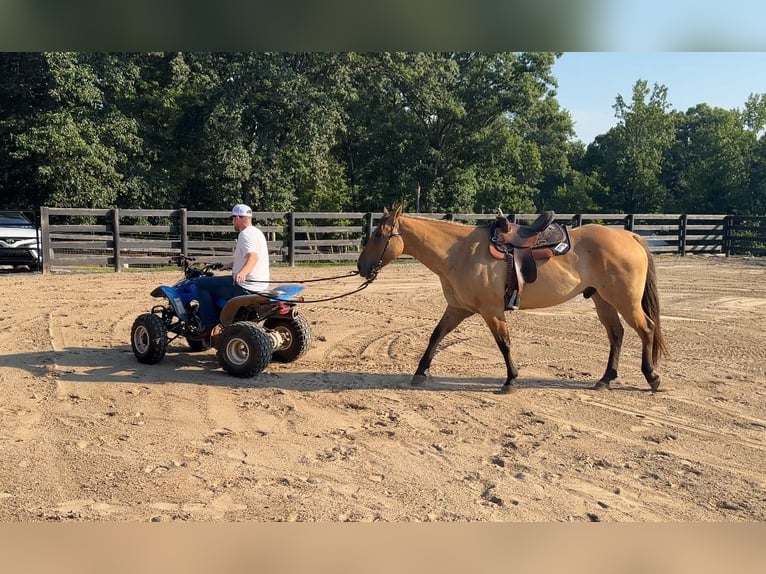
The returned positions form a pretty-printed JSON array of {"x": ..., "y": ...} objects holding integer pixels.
[
  {"x": 630, "y": 221},
  {"x": 682, "y": 221},
  {"x": 291, "y": 238},
  {"x": 46, "y": 240},
  {"x": 183, "y": 224},
  {"x": 728, "y": 223},
  {"x": 577, "y": 220},
  {"x": 368, "y": 220},
  {"x": 116, "y": 238}
]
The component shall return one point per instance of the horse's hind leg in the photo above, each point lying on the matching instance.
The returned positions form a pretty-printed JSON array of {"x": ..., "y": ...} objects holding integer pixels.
[
  {"x": 610, "y": 319},
  {"x": 451, "y": 318},
  {"x": 637, "y": 319}
]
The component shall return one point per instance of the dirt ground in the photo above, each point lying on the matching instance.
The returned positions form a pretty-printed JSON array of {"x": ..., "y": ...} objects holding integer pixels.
[{"x": 89, "y": 434}]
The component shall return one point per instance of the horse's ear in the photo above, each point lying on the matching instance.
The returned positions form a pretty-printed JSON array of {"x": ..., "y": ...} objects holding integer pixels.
[
  {"x": 398, "y": 212},
  {"x": 385, "y": 212}
]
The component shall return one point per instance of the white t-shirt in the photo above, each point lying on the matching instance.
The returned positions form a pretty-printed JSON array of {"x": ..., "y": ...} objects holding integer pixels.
[{"x": 251, "y": 239}]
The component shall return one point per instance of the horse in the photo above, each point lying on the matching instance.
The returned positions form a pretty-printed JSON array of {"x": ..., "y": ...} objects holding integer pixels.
[{"x": 613, "y": 267}]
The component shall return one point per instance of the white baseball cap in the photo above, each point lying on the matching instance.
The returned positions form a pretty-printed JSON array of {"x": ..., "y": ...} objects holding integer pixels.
[{"x": 242, "y": 210}]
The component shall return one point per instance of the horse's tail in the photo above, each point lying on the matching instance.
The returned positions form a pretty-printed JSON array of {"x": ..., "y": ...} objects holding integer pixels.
[{"x": 650, "y": 303}]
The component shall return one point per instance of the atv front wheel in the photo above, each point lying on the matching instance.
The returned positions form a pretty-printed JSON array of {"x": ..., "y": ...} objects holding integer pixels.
[
  {"x": 149, "y": 338},
  {"x": 244, "y": 349},
  {"x": 295, "y": 334}
]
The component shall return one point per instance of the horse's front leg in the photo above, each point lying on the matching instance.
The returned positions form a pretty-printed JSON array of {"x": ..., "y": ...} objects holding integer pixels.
[
  {"x": 451, "y": 318},
  {"x": 499, "y": 328}
]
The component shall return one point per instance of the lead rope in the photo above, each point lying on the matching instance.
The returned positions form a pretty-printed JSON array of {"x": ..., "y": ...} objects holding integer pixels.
[
  {"x": 349, "y": 274},
  {"x": 375, "y": 271},
  {"x": 324, "y": 299},
  {"x": 305, "y": 301}
]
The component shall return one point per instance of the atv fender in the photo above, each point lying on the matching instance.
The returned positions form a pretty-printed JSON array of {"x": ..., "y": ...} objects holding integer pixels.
[
  {"x": 280, "y": 293},
  {"x": 175, "y": 300}
]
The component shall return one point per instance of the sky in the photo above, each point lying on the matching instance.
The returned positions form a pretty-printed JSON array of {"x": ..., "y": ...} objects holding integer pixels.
[
  {"x": 589, "y": 82},
  {"x": 676, "y": 24}
]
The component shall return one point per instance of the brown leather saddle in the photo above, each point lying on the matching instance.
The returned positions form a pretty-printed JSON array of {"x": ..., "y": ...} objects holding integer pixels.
[{"x": 521, "y": 246}]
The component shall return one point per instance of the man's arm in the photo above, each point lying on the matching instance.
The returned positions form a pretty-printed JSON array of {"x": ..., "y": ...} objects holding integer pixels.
[{"x": 250, "y": 261}]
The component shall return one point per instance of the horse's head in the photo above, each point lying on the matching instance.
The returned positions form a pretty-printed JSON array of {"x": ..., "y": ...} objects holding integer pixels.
[{"x": 384, "y": 245}]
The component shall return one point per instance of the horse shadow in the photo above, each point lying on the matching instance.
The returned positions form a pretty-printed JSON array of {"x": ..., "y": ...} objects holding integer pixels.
[{"x": 118, "y": 365}]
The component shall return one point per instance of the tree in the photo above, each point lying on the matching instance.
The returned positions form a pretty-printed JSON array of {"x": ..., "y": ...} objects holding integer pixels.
[
  {"x": 754, "y": 113},
  {"x": 68, "y": 149},
  {"x": 446, "y": 131},
  {"x": 711, "y": 162},
  {"x": 638, "y": 143},
  {"x": 758, "y": 178},
  {"x": 268, "y": 131},
  {"x": 23, "y": 92}
]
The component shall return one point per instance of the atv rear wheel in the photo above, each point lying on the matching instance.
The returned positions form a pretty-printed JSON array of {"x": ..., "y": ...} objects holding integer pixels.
[
  {"x": 244, "y": 349},
  {"x": 149, "y": 338},
  {"x": 295, "y": 334}
]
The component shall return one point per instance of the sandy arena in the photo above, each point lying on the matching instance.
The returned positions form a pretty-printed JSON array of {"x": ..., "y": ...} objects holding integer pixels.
[{"x": 89, "y": 434}]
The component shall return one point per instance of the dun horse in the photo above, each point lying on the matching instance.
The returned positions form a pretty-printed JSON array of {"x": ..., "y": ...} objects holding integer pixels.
[{"x": 611, "y": 266}]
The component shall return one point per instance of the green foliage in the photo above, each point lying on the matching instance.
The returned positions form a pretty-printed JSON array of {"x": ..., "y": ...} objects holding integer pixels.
[
  {"x": 711, "y": 161},
  {"x": 644, "y": 133},
  {"x": 435, "y": 131},
  {"x": 577, "y": 196}
]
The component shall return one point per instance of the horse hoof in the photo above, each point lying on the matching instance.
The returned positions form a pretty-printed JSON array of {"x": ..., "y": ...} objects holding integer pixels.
[
  {"x": 418, "y": 379},
  {"x": 601, "y": 385},
  {"x": 506, "y": 389},
  {"x": 654, "y": 383}
]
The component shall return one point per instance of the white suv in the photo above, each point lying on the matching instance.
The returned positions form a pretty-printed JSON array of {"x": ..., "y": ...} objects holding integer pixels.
[{"x": 19, "y": 241}]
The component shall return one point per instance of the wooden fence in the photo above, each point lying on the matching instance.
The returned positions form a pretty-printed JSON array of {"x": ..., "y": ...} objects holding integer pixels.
[{"x": 121, "y": 238}]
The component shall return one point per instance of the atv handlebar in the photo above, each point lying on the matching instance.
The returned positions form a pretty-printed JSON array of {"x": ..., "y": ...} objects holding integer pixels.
[{"x": 193, "y": 269}]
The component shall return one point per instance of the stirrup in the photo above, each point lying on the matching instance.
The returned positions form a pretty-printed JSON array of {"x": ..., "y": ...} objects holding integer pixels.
[{"x": 513, "y": 301}]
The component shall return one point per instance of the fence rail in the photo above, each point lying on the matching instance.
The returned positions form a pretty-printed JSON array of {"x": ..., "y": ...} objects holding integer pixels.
[{"x": 121, "y": 238}]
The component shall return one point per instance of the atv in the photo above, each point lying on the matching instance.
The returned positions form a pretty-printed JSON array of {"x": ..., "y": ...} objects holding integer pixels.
[{"x": 252, "y": 330}]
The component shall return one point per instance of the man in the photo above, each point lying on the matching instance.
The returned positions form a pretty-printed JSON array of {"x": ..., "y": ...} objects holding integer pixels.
[{"x": 250, "y": 269}]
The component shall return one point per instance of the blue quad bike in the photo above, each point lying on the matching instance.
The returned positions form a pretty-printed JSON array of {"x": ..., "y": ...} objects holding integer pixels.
[{"x": 252, "y": 331}]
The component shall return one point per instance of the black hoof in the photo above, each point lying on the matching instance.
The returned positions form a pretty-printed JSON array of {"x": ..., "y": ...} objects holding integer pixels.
[
  {"x": 418, "y": 379},
  {"x": 602, "y": 385}
]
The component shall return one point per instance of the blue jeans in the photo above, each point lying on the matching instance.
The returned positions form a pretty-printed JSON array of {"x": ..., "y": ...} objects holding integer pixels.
[{"x": 210, "y": 288}]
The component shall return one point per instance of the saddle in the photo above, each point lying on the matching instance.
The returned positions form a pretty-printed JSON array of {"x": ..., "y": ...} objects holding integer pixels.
[{"x": 521, "y": 246}]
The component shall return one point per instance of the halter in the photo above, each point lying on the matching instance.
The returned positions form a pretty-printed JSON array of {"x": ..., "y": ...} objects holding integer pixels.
[{"x": 379, "y": 265}]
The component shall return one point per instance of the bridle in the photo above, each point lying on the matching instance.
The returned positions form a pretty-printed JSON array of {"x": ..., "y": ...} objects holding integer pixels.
[{"x": 379, "y": 265}]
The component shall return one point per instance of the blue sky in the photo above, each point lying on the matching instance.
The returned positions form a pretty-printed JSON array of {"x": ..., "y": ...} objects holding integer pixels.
[
  {"x": 589, "y": 82},
  {"x": 674, "y": 25}
]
